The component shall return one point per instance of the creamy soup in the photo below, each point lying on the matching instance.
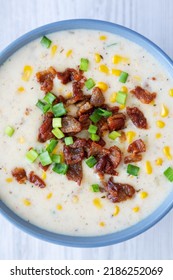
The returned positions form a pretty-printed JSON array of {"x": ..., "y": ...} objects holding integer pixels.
[{"x": 124, "y": 72}]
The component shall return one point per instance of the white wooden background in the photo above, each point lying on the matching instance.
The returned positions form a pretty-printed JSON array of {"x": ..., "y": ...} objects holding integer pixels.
[{"x": 152, "y": 18}]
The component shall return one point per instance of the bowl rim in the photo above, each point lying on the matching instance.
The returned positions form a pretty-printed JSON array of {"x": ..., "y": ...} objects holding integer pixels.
[{"x": 154, "y": 217}]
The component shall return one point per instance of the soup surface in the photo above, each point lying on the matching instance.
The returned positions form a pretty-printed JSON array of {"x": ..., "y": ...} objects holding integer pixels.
[{"x": 127, "y": 76}]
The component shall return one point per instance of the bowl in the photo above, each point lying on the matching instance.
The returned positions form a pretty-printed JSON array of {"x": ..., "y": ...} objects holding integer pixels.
[{"x": 167, "y": 204}]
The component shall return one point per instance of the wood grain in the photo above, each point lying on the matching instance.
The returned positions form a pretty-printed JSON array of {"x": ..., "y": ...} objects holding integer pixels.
[{"x": 153, "y": 19}]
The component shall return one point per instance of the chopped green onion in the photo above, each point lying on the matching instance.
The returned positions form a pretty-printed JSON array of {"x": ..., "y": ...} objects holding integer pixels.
[
  {"x": 123, "y": 77},
  {"x": 121, "y": 97},
  {"x": 56, "y": 158},
  {"x": 92, "y": 128},
  {"x": 58, "y": 133},
  {"x": 52, "y": 145},
  {"x": 114, "y": 134},
  {"x": 95, "y": 188},
  {"x": 90, "y": 83},
  {"x": 95, "y": 117},
  {"x": 49, "y": 98},
  {"x": 42, "y": 106},
  {"x": 59, "y": 110},
  {"x": 84, "y": 63},
  {"x": 31, "y": 155},
  {"x": 57, "y": 122},
  {"x": 60, "y": 168},
  {"x": 46, "y": 42},
  {"x": 94, "y": 137},
  {"x": 68, "y": 140},
  {"x": 45, "y": 158},
  {"x": 9, "y": 131},
  {"x": 104, "y": 113},
  {"x": 169, "y": 174},
  {"x": 91, "y": 161},
  {"x": 133, "y": 169}
]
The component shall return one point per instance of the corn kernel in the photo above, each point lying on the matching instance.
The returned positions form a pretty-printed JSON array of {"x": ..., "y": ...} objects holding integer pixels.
[
  {"x": 116, "y": 210},
  {"x": 160, "y": 124},
  {"x": 102, "y": 224},
  {"x": 27, "y": 72},
  {"x": 103, "y": 86},
  {"x": 62, "y": 156},
  {"x": 130, "y": 136},
  {"x": 97, "y": 57},
  {"x": 103, "y": 68},
  {"x": 148, "y": 167},
  {"x": 9, "y": 180},
  {"x": 124, "y": 89},
  {"x": 53, "y": 50},
  {"x": 167, "y": 153},
  {"x": 137, "y": 78},
  {"x": 75, "y": 199},
  {"x": 113, "y": 97},
  {"x": 97, "y": 203},
  {"x": 102, "y": 37},
  {"x": 43, "y": 176},
  {"x": 68, "y": 53},
  {"x": 158, "y": 135},
  {"x": 26, "y": 202},
  {"x": 122, "y": 106},
  {"x": 143, "y": 195},
  {"x": 21, "y": 140},
  {"x": 164, "y": 111},
  {"x": 116, "y": 72},
  {"x": 136, "y": 209},
  {"x": 69, "y": 94},
  {"x": 59, "y": 207},
  {"x": 49, "y": 196},
  {"x": 119, "y": 59},
  {"x": 159, "y": 161},
  {"x": 21, "y": 89},
  {"x": 171, "y": 92}
]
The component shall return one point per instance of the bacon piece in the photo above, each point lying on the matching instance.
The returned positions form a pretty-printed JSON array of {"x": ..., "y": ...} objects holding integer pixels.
[
  {"x": 116, "y": 122},
  {"x": 85, "y": 108},
  {"x": 137, "y": 117},
  {"x": 143, "y": 95},
  {"x": 136, "y": 147},
  {"x": 69, "y": 75},
  {"x": 97, "y": 97},
  {"x": 45, "y": 168},
  {"x": 115, "y": 156},
  {"x": 70, "y": 125},
  {"x": 45, "y": 78},
  {"x": 78, "y": 142},
  {"x": 101, "y": 142},
  {"x": 19, "y": 174},
  {"x": 77, "y": 93},
  {"x": 45, "y": 130},
  {"x": 105, "y": 166},
  {"x": 74, "y": 172},
  {"x": 102, "y": 126},
  {"x": 74, "y": 153},
  {"x": 85, "y": 121},
  {"x": 98, "y": 150},
  {"x": 132, "y": 158},
  {"x": 119, "y": 192},
  {"x": 36, "y": 180}
]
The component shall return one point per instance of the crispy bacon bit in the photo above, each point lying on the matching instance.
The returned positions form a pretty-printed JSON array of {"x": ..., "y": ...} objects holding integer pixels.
[
  {"x": 136, "y": 147},
  {"x": 98, "y": 150},
  {"x": 137, "y": 117},
  {"x": 122, "y": 137},
  {"x": 45, "y": 130},
  {"x": 119, "y": 192},
  {"x": 116, "y": 122},
  {"x": 69, "y": 75},
  {"x": 77, "y": 93},
  {"x": 132, "y": 158},
  {"x": 85, "y": 121},
  {"x": 101, "y": 142},
  {"x": 74, "y": 153},
  {"x": 74, "y": 172},
  {"x": 78, "y": 142},
  {"x": 36, "y": 180},
  {"x": 102, "y": 126},
  {"x": 45, "y": 78},
  {"x": 104, "y": 165},
  {"x": 143, "y": 95},
  {"x": 45, "y": 168},
  {"x": 97, "y": 97},
  {"x": 70, "y": 125},
  {"x": 19, "y": 174},
  {"x": 85, "y": 108},
  {"x": 115, "y": 156}
]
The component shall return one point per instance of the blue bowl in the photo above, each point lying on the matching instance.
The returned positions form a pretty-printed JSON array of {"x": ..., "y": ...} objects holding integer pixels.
[{"x": 163, "y": 209}]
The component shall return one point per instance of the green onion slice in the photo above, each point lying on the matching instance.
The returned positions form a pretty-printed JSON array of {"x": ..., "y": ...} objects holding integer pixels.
[
  {"x": 91, "y": 161},
  {"x": 84, "y": 63},
  {"x": 90, "y": 83},
  {"x": 95, "y": 188},
  {"x": 94, "y": 137},
  {"x": 56, "y": 158},
  {"x": 68, "y": 140},
  {"x": 56, "y": 122},
  {"x": 46, "y": 42},
  {"x": 59, "y": 110},
  {"x": 123, "y": 77},
  {"x": 49, "y": 98},
  {"x": 58, "y": 133},
  {"x": 60, "y": 168},
  {"x": 121, "y": 97},
  {"x": 104, "y": 113},
  {"x": 9, "y": 130},
  {"x": 31, "y": 155},
  {"x": 169, "y": 174},
  {"x": 92, "y": 128},
  {"x": 51, "y": 145},
  {"x": 95, "y": 117},
  {"x": 45, "y": 158},
  {"x": 42, "y": 106},
  {"x": 114, "y": 134},
  {"x": 133, "y": 169}
]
